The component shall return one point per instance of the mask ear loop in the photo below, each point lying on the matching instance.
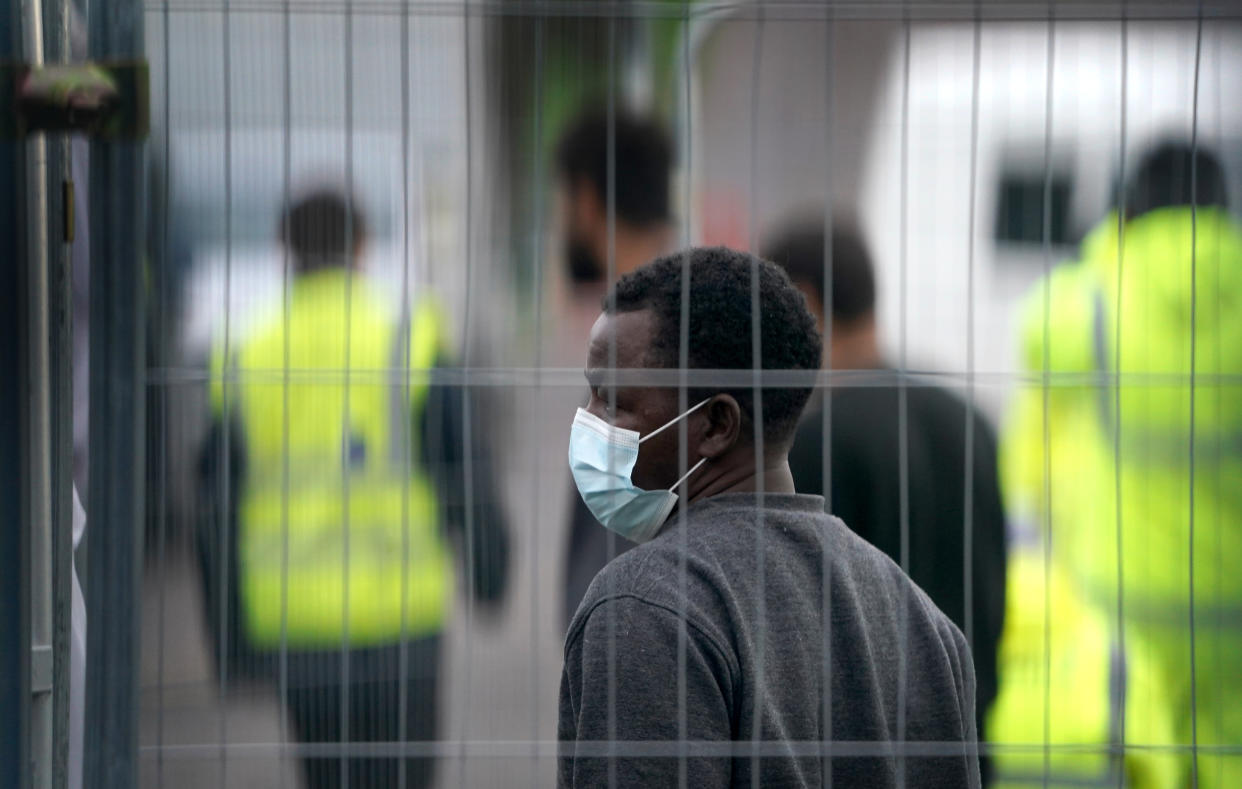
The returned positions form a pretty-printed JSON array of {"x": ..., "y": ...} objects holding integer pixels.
[
  {"x": 669, "y": 424},
  {"x": 693, "y": 469},
  {"x": 674, "y": 421}
]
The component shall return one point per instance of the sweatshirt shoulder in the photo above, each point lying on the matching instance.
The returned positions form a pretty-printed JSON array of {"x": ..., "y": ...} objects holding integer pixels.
[
  {"x": 873, "y": 573},
  {"x": 637, "y": 573}
]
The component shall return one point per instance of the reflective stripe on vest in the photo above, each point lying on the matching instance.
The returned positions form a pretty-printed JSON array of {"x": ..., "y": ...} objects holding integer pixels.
[{"x": 339, "y": 541}]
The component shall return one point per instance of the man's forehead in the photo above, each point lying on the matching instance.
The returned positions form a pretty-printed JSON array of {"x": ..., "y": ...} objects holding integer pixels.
[{"x": 628, "y": 335}]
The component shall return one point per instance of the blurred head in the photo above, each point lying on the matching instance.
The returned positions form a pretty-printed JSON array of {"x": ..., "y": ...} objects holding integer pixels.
[
  {"x": 324, "y": 230},
  {"x": 643, "y": 317},
  {"x": 1173, "y": 174},
  {"x": 640, "y": 186},
  {"x": 799, "y": 249}
]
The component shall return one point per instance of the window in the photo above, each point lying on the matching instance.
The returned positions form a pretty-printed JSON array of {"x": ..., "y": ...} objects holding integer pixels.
[{"x": 1020, "y": 209}]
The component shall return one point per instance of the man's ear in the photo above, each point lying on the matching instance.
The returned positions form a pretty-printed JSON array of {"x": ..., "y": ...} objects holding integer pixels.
[{"x": 723, "y": 426}]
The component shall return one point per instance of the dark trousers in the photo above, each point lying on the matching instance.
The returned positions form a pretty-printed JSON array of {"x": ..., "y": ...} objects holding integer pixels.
[{"x": 373, "y": 715}]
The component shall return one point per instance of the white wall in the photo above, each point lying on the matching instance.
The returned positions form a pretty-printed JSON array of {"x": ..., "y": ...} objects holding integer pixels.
[
  {"x": 1086, "y": 132},
  {"x": 760, "y": 172}
]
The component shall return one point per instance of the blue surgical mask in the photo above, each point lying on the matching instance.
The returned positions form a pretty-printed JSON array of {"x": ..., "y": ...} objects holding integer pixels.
[{"x": 602, "y": 457}]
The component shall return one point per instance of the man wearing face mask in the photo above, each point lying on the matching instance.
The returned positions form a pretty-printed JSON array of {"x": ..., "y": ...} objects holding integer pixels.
[
  {"x": 749, "y": 637},
  {"x": 637, "y": 196}
]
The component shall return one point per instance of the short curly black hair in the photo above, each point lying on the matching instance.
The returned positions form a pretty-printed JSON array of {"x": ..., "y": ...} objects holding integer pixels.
[{"x": 720, "y": 325}]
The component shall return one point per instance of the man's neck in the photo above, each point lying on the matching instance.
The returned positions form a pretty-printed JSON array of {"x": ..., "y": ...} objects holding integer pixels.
[
  {"x": 854, "y": 347},
  {"x": 634, "y": 248},
  {"x": 741, "y": 478}
]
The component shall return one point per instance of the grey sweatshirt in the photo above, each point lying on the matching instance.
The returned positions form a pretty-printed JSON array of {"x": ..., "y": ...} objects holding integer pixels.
[{"x": 768, "y": 677}]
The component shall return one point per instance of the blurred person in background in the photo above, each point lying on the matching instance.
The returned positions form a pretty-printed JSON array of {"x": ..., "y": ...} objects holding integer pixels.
[
  {"x": 625, "y": 221},
  {"x": 747, "y": 617},
  {"x": 337, "y": 483},
  {"x": 1132, "y": 451},
  {"x": 1065, "y": 680},
  {"x": 863, "y": 450}
]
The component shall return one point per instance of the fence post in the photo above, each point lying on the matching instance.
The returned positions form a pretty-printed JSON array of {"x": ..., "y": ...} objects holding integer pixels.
[
  {"x": 14, "y": 601},
  {"x": 117, "y": 402}
]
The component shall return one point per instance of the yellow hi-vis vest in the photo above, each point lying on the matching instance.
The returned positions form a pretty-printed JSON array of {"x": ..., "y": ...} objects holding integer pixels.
[
  {"x": 338, "y": 533},
  {"x": 1129, "y": 301},
  {"x": 1109, "y": 472},
  {"x": 1071, "y": 693}
]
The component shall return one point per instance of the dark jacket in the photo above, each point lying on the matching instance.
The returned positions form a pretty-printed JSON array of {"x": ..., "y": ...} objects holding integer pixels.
[{"x": 866, "y": 481}]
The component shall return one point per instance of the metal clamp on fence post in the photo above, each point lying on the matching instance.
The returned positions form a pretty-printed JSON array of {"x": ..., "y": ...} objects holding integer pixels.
[{"x": 103, "y": 100}]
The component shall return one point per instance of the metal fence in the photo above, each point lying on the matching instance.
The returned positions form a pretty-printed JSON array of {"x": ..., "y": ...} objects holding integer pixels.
[{"x": 978, "y": 148}]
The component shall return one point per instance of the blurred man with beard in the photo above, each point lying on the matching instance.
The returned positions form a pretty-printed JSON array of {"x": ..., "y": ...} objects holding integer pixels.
[{"x": 613, "y": 172}]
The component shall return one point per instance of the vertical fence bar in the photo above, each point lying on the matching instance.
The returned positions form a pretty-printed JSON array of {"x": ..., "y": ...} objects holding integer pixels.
[
  {"x": 36, "y": 431},
  {"x": 537, "y": 285},
  {"x": 1118, "y": 758},
  {"x": 683, "y": 364},
  {"x": 117, "y": 202},
  {"x": 1046, "y": 394},
  {"x": 968, "y": 471},
  {"x": 903, "y": 401},
  {"x": 1219, "y": 454},
  {"x": 1194, "y": 304},
  {"x": 60, "y": 372},
  {"x": 14, "y": 632},
  {"x": 347, "y": 387},
  {"x": 825, "y": 682},
  {"x": 407, "y": 415},
  {"x": 756, "y": 360},
  {"x": 467, "y": 398},
  {"x": 286, "y": 291},
  {"x": 163, "y": 393},
  {"x": 229, "y": 369},
  {"x": 610, "y": 203}
]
